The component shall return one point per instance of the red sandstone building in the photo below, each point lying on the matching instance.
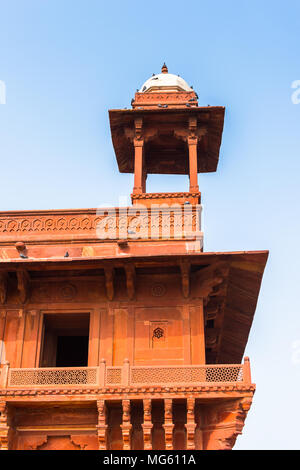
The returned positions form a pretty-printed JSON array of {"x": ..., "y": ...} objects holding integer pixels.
[{"x": 117, "y": 330}]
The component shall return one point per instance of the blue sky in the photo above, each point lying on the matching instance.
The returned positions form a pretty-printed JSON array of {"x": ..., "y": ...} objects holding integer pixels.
[{"x": 65, "y": 63}]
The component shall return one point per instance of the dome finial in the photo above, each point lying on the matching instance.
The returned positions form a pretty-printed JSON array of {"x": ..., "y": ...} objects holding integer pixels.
[{"x": 164, "y": 68}]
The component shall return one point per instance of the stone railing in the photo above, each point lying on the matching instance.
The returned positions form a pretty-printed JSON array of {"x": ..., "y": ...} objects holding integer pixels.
[
  {"x": 160, "y": 221},
  {"x": 50, "y": 376},
  {"x": 126, "y": 376}
]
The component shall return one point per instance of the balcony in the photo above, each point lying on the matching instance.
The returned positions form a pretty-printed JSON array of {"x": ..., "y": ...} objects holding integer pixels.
[{"x": 127, "y": 376}]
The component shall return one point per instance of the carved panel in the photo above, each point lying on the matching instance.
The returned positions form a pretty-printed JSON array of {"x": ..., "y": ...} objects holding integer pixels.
[
  {"x": 158, "y": 290},
  {"x": 158, "y": 334},
  {"x": 53, "y": 376},
  {"x": 67, "y": 292}
]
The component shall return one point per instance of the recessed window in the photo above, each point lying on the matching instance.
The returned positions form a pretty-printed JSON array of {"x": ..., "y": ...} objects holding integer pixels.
[{"x": 65, "y": 340}]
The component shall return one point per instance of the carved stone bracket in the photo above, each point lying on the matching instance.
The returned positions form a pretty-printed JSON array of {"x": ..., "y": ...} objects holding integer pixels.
[
  {"x": 192, "y": 131},
  {"x": 185, "y": 278},
  {"x": 193, "y": 127},
  {"x": 139, "y": 133},
  {"x": 138, "y": 127},
  {"x": 109, "y": 282},
  {"x": 130, "y": 280},
  {"x": 3, "y": 287},
  {"x": 211, "y": 310},
  {"x": 35, "y": 442},
  {"x": 209, "y": 278},
  {"x": 23, "y": 285},
  {"x": 211, "y": 337},
  {"x": 226, "y": 424}
]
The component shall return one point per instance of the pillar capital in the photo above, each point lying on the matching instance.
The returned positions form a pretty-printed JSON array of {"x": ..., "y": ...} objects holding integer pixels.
[
  {"x": 138, "y": 142},
  {"x": 192, "y": 140}
]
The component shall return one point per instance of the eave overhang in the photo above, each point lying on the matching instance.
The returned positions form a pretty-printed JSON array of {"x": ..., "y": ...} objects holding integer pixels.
[
  {"x": 168, "y": 124},
  {"x": 233, "y": 299}
]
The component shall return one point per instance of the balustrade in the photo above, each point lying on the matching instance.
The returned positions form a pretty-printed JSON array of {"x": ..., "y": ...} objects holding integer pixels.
[{"x": 126, "y": 375}]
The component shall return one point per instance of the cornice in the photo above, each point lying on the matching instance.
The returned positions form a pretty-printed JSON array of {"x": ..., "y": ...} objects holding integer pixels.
[{"x": 121, "y": 391}]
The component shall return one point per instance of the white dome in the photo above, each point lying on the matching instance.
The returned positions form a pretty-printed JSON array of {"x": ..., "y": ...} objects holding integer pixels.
[{"x": 165, "y": 81}]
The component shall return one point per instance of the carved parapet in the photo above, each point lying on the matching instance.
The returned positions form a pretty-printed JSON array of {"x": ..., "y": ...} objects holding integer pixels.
[
  {"x": 176, "y": 99},
  {"x": 103, "y": 224}
]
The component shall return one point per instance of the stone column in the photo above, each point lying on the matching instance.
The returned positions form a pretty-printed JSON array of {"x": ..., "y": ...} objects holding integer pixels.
[
  {"x": 147, "y": 425},
  {"x": 139, "y": 171},
  {"x": 126, "y": 425},
  {"x": 190, "y": 424},
  {"x": 4, "y": 428},
  {"x": 102, "y": 426},
  {"x": 193, "y": 167},
  {"x": 168, "y": 425}
]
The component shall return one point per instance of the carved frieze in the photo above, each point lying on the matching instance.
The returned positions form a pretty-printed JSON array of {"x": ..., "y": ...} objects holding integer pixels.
[{"x": 112, "y": 220}]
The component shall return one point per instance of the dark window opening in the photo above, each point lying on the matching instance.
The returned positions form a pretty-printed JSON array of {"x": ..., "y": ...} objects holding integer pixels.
[
  {"x": 72, "y": 351},
  {"x": 65, "y": 340}
]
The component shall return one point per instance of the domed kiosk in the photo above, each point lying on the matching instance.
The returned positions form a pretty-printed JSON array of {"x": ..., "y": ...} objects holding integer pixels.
[{"x": 166, "y": 132}]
